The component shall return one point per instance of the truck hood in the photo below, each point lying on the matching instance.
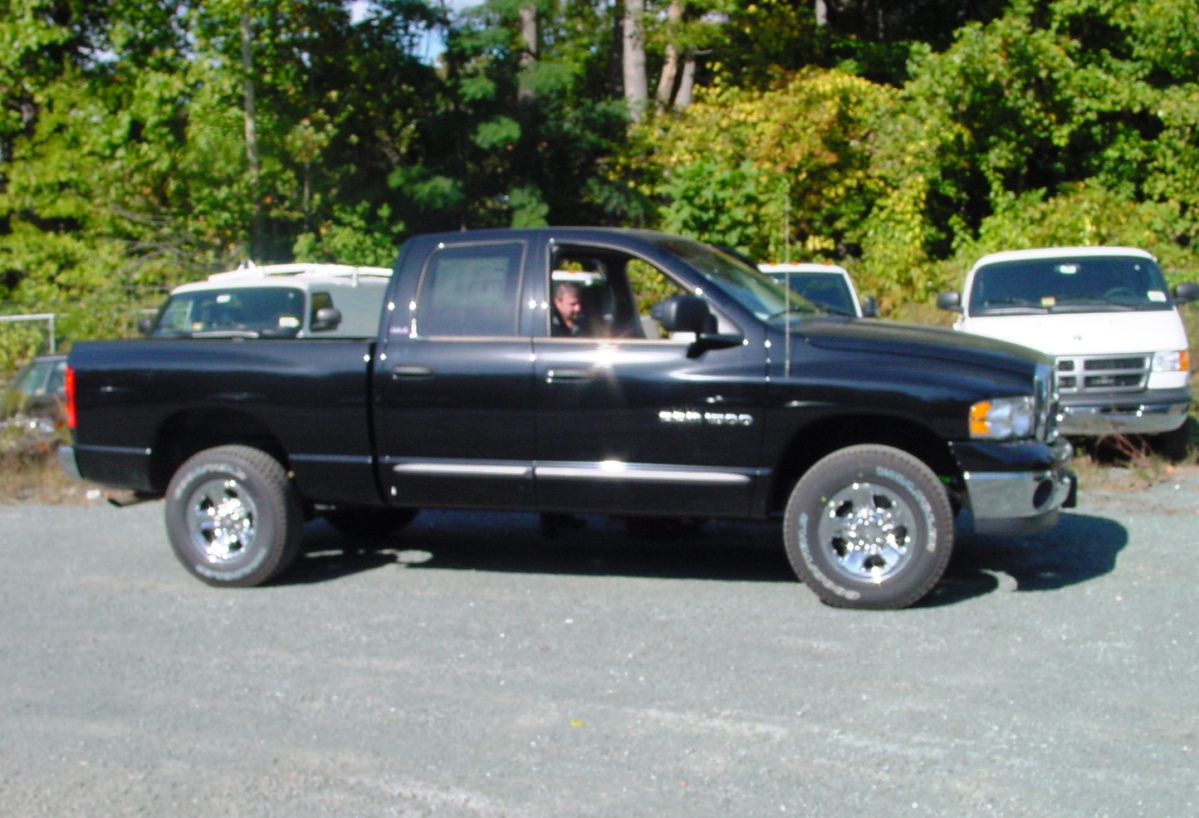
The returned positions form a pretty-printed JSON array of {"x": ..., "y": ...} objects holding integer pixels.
[
  {"x": 1092, "y": 333},
  {"x": 894, "y": 338}
]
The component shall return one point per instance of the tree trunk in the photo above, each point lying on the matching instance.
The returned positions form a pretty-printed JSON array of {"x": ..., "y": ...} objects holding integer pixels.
[
  {"x": 670, "y": 68},
  {"x": 821, "y": 13},
  {"x": 251, "y": 130},
  {"x": 528, "y": 57},
  {"x": 683, "y": 98},
  {"x": 636, "y": 85}
]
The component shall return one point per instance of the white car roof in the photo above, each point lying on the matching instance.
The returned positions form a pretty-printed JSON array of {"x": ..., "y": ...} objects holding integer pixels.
[
  {"x": 804, "y": 267},
  {"x": 302, "y": 275},
  {"x": 1060, "y": 252}
]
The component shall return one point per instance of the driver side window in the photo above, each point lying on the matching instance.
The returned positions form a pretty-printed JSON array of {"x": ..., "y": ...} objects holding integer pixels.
[{"x": 602, "y": 293}]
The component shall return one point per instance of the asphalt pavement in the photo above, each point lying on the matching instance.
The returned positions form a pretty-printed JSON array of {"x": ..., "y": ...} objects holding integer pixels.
[{"x": 475, "y": 668}]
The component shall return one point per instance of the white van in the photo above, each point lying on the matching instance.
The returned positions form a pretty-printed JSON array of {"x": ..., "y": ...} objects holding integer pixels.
[
  {"x": 276, "y": 301},
  {"x": 1106, "y": 315}
]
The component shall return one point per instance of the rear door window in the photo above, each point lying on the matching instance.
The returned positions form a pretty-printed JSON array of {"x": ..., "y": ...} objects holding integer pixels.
[{"x": 470, "y": 291}]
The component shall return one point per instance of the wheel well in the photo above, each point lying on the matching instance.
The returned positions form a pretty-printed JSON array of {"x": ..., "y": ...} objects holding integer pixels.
[
  {"x": 187, "y": 433},
  {"x": 823, "y": 437}
]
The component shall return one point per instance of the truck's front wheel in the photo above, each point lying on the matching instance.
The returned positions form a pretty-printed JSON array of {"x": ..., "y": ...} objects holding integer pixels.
[
  {"x": 869, "y": 527},
  {"x": 233, "y": 517}
]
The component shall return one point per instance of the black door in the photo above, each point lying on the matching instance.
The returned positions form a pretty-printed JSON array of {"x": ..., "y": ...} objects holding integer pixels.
[
  {"x": 454, "y": 403},
  {"x": 628, "y": 420}
]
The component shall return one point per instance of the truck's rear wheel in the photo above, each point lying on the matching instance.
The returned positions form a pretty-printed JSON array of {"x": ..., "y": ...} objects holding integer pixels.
[
  {"x": 869, "y": 527},
  {"x": 233, "y": 517}
]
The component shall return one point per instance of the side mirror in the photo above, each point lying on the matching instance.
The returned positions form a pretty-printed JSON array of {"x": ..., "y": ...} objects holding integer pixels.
[
  {"x": 1186, "y": 292},
  {"x": 690, "y": 313},
  {"x": 683, "y": 313},
  {"x": 950, "y": 300},
  {"x": 869, "y": 307},
  {"x": 145, "y": 325},
  {"x": 326, "y": 318}
]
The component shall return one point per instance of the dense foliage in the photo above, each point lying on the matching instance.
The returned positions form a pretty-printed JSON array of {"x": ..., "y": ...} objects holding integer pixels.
[{"x": 147, "y": 143}]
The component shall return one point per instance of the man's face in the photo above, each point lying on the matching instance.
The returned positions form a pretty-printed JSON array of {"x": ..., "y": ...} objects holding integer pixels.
[{"x": 568, "y": 306}]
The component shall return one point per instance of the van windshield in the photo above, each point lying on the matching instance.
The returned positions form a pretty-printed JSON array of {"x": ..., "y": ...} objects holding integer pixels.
[
  {"x": 1075, "y": 284},
  {"x": 237, "y": 311}
]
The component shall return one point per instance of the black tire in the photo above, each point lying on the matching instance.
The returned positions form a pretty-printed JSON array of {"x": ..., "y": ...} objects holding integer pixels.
[
  {"x": 233, "y": 518},
  {"x": 869, "y": 527},
  {"x": 369, "y": 523},
  {"x": 1176, "y": 445}
]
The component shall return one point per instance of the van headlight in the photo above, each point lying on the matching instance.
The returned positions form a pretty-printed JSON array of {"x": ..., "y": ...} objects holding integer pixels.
[
  {"x": 1175, "y": 361},
  {"x": 1003, "y": 418}
]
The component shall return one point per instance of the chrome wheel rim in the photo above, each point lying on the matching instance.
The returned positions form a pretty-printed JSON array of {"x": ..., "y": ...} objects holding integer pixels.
[
  {"x": 221, "y": 520},
  {"x": 866, "y": 530}
]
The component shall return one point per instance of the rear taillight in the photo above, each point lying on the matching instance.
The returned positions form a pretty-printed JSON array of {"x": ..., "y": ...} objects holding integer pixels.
[{"x": 69, "y": 385}]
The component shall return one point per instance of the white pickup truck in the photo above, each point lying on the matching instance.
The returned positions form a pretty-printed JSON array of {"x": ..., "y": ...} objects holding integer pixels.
[
  {"x": 825, "y": 285},
  {"x": 1107, "y": 316}
]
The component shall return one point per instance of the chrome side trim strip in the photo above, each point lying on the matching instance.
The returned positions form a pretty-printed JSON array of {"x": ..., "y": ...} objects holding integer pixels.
[
  {"x": 361, "y": 460},
  {"x": 126, "y": 450},
  {"x": 612, "y": 470},
  {"x": 463, "y": 469},
  {"x": 607, "y": 470}
]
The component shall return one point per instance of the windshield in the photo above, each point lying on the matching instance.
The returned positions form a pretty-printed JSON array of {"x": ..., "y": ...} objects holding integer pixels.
[
  {"x": 827, "y": 290},
  {"x": 751, "y": 288},
  {"x": 1077, "y": 284},
  {"x": 236, "y": 311}
]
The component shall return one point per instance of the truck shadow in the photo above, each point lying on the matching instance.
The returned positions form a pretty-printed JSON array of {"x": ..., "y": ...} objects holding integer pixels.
[
  {"x": 514, "y": 543},
  {"x": 1079, "y": 548}
]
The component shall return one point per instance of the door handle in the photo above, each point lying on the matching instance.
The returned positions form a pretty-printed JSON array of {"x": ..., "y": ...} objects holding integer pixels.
[
  {"x": 411, "y": 372},
  {"x": 560, "y": 375}
]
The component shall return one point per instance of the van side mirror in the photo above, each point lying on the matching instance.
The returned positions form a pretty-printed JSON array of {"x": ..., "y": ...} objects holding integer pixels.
[
  {"x": 145, "y": 325},
  {"x": 949, "y": 300},
  {"x": 326, "y": 318},
  {"x": 1186, "y": 292},
  {"x": 869, "y": 307}
]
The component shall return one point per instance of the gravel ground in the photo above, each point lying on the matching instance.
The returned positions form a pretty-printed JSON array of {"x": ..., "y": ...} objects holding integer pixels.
[{"x": 477, "y": 669}]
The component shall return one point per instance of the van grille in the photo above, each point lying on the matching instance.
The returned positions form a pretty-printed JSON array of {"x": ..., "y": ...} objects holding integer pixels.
[{"x": 1080, "y": 375}]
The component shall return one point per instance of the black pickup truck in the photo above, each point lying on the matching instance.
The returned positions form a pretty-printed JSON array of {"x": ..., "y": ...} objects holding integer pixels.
[{"x": 581, "y": 371}]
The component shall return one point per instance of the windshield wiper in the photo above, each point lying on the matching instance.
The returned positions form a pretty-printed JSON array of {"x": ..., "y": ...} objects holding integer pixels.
[
  {"x": 225, "y": 333},
  {"x": 1090, "y": 302},
  {"x": 1012, "y": 306},
  {"x": 796, "y": 307}
]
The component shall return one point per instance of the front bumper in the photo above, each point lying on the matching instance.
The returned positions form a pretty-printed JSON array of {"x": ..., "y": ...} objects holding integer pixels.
[
  {"x": 1142, "y": 413},
  {"x": 1012, "y": 498}
]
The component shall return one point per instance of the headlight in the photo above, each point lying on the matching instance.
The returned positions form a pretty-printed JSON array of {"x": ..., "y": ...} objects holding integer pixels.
[
  {"x": 1003, "y": 418},
  {"x": 1179, "y": 361}
]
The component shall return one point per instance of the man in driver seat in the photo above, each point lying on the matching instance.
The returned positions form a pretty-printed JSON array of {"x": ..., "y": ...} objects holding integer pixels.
[{"x": 568, "y": 320}]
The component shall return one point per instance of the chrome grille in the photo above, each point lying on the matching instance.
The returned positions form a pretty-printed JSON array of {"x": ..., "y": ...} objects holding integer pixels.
[
  {"x": 1047, "y": 408},
  {"x": 1082, "y": 374}
]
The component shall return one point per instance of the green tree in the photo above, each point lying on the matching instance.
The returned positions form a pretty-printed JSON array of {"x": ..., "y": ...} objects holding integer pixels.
[{"x": 767, "y": 172}]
